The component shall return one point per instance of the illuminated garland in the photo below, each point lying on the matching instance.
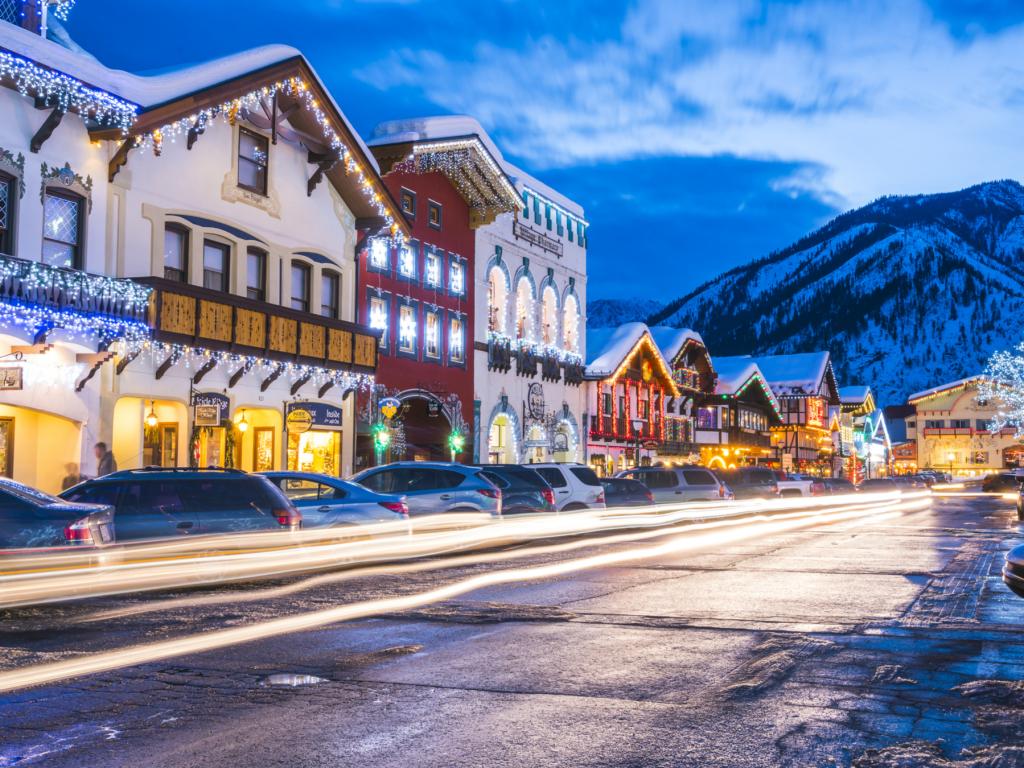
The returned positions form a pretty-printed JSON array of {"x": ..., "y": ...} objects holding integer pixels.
[
  {"x": 229, "y": 110},
  {"x": 196, "y": 357},
  {"x": 36, "y": 276},
  {"x": 61, "y": 8},
  {"x": 79, "y": 326},
  {"x": 543, "y": 350},
  {"x": 66, "y": 92}
]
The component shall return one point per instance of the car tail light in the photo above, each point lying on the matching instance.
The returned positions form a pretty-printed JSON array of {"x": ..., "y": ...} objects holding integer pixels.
[
  {"x": 288, "y": 518},
  {"x": 549, "y": 496},
  {"x": 78, "y": 531},
  {"x": 600, "y": 498},
  {"x": 817, "y": 489},
  {"x": 490, "y": 493},
  {"x": 650, "y": 496},
  {"x": 398, "y": 507},
  {"x": 721, "y": 491}
]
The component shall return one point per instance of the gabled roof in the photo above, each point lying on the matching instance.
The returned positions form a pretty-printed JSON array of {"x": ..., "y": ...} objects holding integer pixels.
[
  {"x": 672, "y": 340},
  {"x": 943, "y": 388},
  {"x": 802, "y": 373},
  {"x": 612, "y": 347},
  {"x": 437, "y": 130},
  {"x": 856, "y": 399},
  {"x": 735, "y": 374},
  {"x": 168, "y": 105}
]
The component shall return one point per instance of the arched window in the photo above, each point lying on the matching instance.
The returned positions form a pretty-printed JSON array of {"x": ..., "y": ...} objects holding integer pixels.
[
  {"x": 571, "y": 324},
  {"x": 549, "y": 317},
  {"x": 524, "y": 309},
  {"x": 497, "y": 300}
]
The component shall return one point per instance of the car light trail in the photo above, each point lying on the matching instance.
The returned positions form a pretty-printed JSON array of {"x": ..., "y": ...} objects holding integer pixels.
[
  {"x": 39, "y": 674},
  {"x": 195, "y": 562}
]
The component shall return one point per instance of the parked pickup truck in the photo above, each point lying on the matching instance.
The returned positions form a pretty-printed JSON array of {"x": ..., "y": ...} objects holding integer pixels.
[{"x": 791, "y": 484}]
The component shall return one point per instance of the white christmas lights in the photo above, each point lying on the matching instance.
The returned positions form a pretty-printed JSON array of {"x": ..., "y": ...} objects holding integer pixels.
[
  {"x": 231, "y": 109},
  {"x": 66, "y": 92}
]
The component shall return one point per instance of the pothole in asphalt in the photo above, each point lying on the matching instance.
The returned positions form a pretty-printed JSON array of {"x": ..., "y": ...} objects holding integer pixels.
[{"x": 286, "y": 680}]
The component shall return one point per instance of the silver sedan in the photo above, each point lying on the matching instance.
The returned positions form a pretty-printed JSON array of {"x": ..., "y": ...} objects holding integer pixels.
[{"x": 327, "y": 501}]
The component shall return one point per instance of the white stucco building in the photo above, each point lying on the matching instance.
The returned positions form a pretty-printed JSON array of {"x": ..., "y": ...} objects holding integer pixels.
[{"x": 226, "y": 201}]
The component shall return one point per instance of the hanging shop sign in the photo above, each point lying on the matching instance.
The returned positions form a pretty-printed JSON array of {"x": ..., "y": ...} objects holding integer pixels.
[
  {"x": 12, "y": 378},
  {"x": 561, "y": 442},
  {"x": 815, "y": 412},
  {"x": 301, "y": 417},
  {"x": 210, "y": 408},
  {"x": 388, "y": 407},
  {"x": 433, "y": 409},
  {"x": 535, "y": 401}
]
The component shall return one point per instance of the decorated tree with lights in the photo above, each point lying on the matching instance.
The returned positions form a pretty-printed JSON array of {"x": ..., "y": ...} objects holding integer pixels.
[{"x": 1003, "y": 387}]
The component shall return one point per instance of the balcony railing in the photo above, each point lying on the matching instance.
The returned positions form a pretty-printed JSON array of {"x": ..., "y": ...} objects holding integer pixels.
[
  {"x": 34, "y": 284},
  {"x": 526, "y": 362},
  {"x": 550, "y": 368},
  {"x": 963, "y": 431},
  {"x": 499, "y": 355},
  {"x": 200, "y": 317}
]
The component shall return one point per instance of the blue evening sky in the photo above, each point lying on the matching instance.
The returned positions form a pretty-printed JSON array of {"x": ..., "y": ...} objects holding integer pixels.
[{"x": 697, "y": 134}]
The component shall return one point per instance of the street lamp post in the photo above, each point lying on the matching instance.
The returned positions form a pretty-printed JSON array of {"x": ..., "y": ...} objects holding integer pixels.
[{"x": 638, "y": 424}]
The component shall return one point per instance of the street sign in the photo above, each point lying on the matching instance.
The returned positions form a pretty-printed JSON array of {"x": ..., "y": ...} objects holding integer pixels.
[
  {"x": 298, "y": 421},
  {"x": 787, "y": 461}
]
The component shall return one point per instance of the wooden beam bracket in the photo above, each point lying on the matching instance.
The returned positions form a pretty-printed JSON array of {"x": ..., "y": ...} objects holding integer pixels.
[
  {"x": 94, "y": 360},
  {"x": 125, "y": 361},
  {"x": 324, "y": 389},
  {"x": 271, "y": 378},
  {"x": 120, "y": 158},
  {"x": 46, "y": 129},
  {"x": 208, "y": 366},
  {"x": 166, "y": 365},
  {"x": 298, "y": 384}
]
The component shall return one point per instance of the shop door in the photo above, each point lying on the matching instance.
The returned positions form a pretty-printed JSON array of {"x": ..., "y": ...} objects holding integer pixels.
[{"x": 7, "y": 447}]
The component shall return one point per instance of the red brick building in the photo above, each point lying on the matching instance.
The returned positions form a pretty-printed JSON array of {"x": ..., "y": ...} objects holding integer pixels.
[{"x": 419, "y": 292}]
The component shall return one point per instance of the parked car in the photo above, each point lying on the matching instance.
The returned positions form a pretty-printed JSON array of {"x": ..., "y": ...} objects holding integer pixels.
[
  {"x": 837, "y": 485},
  {"x": 1013, "y": 569},
  {"x": 431, "y": 487},
  {"x": 792, "y": 484},
  {"x": 622, "y": 492},
  {"x": 523, "y": 490},
  {"x": 161, "y": 502},
  {"x": 880, "y": 485},
  {"x": 911, "y": 481},
  {"x": 750, "y": 482},
  {"x": 679, "y": 483},
  {"x": 326, "y": 501},
  {"x": 576, "y": 486},
  {"x": 31, "y": 518},
  {"x": 1004, "y": 482}
]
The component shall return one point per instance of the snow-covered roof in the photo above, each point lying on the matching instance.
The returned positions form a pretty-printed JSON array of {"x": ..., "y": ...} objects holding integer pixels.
[
  {"x": 455, "y": 126},
  {"x": 733, "y": 373},
  {"x": 942, "y": 388},
  {"x": 609, "y": 347},
  {"x": 671, "y": 340},
  {"x": 855, "y": 394},
  {"x": 149, "y": 91},
  {"x": 796, "y": 374}
]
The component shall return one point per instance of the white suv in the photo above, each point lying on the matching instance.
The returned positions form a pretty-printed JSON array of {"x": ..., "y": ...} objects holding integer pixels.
[{"x": 576, "y": 486}]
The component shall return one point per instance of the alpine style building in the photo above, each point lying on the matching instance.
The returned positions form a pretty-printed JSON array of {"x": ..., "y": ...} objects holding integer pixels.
[{"x": 178, "y": 262}]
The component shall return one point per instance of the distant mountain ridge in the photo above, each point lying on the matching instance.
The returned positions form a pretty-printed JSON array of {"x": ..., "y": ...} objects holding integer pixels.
[
  {"x": 611, "y": 313},
  {"x": 906, "y": 292}
]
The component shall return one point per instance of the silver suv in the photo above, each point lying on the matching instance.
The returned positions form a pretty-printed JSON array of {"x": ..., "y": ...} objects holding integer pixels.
[
  {"x": 669, "y": 484},
  {"x": 576, "y": 486},
  {"x": 431, "y": 487}
]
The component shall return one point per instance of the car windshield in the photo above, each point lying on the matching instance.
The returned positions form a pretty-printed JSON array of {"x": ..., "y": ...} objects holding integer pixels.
[{"x": 27, "y": 493}]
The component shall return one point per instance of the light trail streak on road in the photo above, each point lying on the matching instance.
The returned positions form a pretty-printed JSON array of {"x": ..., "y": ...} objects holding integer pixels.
[
  {"x": 447, "y": 563},
  {"x": 166, "y": 565},
  {"x": 39, "y": 674}
]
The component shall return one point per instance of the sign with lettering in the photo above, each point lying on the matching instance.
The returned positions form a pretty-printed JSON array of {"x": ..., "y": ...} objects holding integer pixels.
[
  {"x": 12, "y": 378},
  {"x": 539, "y": 239},
  {"x": 815, "y": 412},
  {"x": 535, "y": 401},
  {"x": 210, "y": 408},
  {"x": 322, "y": 415}
]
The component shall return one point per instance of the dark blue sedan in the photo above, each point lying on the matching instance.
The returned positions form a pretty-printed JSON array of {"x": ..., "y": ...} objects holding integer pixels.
[{"x": 31, "y": 518}]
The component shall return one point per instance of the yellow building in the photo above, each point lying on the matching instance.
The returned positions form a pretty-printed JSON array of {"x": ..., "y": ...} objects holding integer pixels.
[{"x": 951, "y": 430}]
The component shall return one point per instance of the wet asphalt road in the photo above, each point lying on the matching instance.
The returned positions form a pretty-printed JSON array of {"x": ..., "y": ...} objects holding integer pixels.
[{"x": 887, "y": 644}]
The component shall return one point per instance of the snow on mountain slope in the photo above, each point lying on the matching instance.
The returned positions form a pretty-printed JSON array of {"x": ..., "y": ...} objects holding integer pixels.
[
  {"x": 906, "y": 292},
  {"x": 609, "y": 313}
]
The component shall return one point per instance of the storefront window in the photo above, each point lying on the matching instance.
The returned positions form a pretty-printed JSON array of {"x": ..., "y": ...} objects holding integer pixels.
[
  {"x": 707, "y": 418},
  {"x": 315, "y": 451}
]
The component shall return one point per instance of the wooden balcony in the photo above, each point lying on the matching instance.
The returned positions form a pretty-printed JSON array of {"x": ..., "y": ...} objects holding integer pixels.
[{"x": 200, "y": 317}]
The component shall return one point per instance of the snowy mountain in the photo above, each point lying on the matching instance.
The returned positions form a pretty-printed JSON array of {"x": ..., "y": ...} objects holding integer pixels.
[
  {"x": 610, "y": 313},
  {"x": 906, "y": 292}
]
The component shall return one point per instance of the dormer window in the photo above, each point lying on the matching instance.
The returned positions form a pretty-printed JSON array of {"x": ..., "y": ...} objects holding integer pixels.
[{"x": 253, "y": 154}]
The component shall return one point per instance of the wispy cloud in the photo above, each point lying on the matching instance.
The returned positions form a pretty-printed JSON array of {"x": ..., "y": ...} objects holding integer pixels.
[{"x": 885, "y": 96}]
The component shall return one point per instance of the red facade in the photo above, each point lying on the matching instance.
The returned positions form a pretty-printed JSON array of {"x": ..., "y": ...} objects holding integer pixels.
[{"x": 426, "y": 286}]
